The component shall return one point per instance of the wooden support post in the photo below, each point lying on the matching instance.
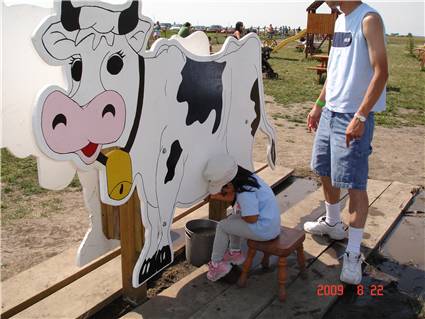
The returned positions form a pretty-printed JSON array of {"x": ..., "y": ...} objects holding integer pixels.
[
  {"x": 131, "y": 233},
  {"x": 217, "y": 210}
]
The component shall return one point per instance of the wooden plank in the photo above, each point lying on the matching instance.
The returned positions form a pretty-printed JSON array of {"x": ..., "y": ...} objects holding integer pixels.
[
  {"x": 247, "y": 302},
  {"x": 21, "y": 295},
  {"x": 82, "y": 297},
  {"x": 303, "y": 301},
  {"x": 181, "y": 299}
]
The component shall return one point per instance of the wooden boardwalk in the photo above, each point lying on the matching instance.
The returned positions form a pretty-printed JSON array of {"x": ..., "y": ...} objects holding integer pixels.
[{"x": 196, "y": 297}]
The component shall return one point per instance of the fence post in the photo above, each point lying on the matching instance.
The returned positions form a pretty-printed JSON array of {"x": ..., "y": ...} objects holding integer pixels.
[
  {"x": 217, "y": 209},
  {"x": 132, "y": 235}
]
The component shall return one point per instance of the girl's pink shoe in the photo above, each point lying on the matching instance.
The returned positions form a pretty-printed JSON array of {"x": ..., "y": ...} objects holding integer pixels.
[
  {"x": 218, "y": 271},
  {"x": 235, "y": 258}
]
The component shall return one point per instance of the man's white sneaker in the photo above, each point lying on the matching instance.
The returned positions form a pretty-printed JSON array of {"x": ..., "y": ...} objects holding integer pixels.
[
  {"x": 352, "y": 268},
  {"x": 321, "y": 227}
]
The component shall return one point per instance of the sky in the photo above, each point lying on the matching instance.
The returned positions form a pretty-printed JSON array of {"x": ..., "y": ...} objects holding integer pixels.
[{"x": 399, "y": 16}]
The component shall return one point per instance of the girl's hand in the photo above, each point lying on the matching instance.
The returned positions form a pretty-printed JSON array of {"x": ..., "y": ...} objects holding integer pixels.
[{"x": 250, "y": 219}]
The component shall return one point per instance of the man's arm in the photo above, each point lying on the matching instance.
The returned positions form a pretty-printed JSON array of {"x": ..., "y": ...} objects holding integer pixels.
[
  {"x": 313, "y": 117},
  {"x": 373, "y": 31}
]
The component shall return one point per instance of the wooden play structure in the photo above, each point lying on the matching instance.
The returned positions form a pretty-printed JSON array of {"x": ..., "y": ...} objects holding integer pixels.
[{"x": 320, "y": 26}]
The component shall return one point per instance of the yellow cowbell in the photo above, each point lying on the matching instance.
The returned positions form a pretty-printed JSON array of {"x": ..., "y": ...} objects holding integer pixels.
[{"x": 119, "y": 174}]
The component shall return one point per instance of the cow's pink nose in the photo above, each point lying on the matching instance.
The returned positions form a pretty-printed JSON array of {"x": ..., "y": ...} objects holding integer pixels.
[{"x": 67, "y": 127}]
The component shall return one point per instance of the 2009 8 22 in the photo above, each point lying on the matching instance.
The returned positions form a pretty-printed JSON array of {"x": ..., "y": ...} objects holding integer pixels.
[{"x": 338, "y": 290}]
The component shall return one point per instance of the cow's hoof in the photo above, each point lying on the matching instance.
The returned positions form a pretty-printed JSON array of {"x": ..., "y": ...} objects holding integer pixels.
[
  {"x": 148, "y": 269},
  {"x": 163, "y": 257}
]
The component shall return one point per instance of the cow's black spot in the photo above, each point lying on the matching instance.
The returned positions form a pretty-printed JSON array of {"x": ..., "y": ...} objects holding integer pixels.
[
  {"x": 255, "y": 97},
  {"x": 172, "y": 160},
  {"x": 59, "y": 119},
  {"x": 202, "y": 89},
  {"x": 77, "y": 70},
  {"x": 108, "y": 109},
  {"x": 115, "y": 64}
]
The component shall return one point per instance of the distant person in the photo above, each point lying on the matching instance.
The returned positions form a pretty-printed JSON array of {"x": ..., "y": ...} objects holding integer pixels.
[
  {"x": 239, "y": 30},
  {"x": 255, "y": 215},
  {"x": 343, "y": 116},
  {"x": 156, "y": 31},
  {"x": 270, "y": 31},
  {"x": 184, "y": 30}
]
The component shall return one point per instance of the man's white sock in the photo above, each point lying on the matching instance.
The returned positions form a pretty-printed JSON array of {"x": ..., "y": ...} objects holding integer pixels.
[
  {"x": 333, "y": 215},
  {"x": 355, "y": 236}
]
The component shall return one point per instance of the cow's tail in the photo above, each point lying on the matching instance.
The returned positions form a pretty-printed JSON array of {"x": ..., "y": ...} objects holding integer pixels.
[
  {"x": 269, "y": 130},
  {"x": 257, "y": 94}
]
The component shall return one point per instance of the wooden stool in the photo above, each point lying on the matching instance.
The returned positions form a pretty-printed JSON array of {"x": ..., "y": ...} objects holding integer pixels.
[{"x": 282, "y": 246}]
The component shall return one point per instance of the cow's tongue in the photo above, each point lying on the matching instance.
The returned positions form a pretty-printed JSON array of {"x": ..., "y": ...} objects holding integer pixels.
[{"x": 89, "y": 149}]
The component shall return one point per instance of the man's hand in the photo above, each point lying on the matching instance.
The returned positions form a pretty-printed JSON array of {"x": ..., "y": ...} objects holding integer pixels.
[
  {"x": 313, "y": 118},
  {"x": 354, "y": 131}
]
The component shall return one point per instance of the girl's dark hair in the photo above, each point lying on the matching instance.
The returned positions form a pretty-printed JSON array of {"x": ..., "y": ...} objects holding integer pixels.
[
  {"x": 243, "y": 179},
  {"x": 239, "y": 26}
]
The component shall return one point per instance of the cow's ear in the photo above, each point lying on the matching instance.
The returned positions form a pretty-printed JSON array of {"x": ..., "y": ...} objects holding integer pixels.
[
  {"x": 138, "y": 38},
  {"x": 54, "y": 43}
]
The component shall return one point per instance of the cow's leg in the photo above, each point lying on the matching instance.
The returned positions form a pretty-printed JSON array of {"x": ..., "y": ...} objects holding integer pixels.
[
  {"x": 146, "y": 265},
  {"x": 169, "y": 177}
]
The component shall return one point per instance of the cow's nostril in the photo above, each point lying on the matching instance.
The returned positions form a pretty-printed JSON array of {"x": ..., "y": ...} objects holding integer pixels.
[
  {"x": 59, "y": 119},
  {"x": 108, "y": 109}
]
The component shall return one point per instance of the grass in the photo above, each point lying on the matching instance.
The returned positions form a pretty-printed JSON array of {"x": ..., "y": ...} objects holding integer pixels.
[
  {"x": 405, "y": 89},
  {"x": 19, "y": 187}
]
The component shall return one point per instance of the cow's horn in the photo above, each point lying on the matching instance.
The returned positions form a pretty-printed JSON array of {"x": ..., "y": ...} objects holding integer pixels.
[
  {"x": 129, "y": 18},
  {"x": 70, "y": 16}
]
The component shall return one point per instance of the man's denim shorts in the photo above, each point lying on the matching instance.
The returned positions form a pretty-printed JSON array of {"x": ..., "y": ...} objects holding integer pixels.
[{"x": 347, "y": 167}]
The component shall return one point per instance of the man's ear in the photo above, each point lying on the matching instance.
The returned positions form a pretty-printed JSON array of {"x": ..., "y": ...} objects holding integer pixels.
[{"x": 138, "y": 38}]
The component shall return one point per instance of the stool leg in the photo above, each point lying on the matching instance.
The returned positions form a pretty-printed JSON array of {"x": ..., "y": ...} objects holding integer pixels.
[
  {"x": 265, "y": 261},
  {"x": 282, "y": 278},
  {"x": 246, "y": 266},
  {"x": 301, "y": 260}
]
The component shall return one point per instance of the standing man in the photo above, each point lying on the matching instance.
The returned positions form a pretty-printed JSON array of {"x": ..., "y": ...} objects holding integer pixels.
[{"x": 354, "y": 90}]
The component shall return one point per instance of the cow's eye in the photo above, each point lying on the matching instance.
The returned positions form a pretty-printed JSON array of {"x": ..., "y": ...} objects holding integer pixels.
[
  {"x": 115, "y": 64},
  {"x": 76, "y": 69}
]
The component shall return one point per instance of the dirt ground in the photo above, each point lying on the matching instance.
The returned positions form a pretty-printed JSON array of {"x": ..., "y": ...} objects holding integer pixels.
[{"x": 398, "y": 156}]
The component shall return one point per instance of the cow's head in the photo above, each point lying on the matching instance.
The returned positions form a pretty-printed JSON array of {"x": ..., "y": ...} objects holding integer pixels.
[{"x": 98, "y": 45}]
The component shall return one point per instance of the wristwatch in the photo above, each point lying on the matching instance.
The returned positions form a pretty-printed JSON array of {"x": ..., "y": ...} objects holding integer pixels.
[{"x": 360, "y": 117}]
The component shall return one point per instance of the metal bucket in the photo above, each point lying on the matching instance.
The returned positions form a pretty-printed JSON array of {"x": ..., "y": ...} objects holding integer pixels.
[{"x": 199, "y": 238}]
